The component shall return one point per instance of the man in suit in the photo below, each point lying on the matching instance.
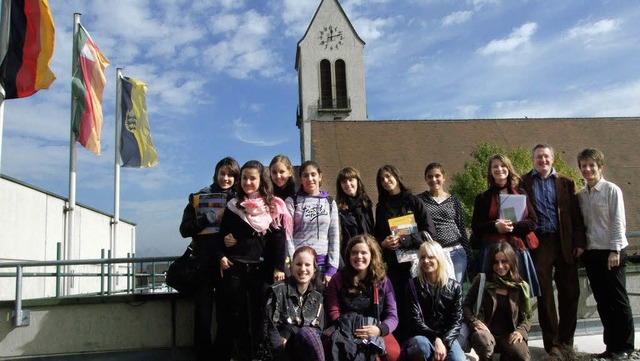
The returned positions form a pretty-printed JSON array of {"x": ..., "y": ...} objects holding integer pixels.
[{"x": 561, "y": 233}]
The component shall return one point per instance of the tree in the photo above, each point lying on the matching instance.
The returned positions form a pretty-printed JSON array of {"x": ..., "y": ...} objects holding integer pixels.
[{"x": 473, "y": 180}]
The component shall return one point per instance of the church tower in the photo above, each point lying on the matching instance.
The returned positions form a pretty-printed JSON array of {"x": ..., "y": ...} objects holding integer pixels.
[{"x": 330, "y": 65}]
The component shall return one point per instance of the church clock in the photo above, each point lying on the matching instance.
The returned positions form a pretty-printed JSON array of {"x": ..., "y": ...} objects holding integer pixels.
[{"x": 330, "y": 38}]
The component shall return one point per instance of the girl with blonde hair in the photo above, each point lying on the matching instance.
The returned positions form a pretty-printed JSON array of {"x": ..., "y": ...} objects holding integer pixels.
[{"x": 435, "y": 309}]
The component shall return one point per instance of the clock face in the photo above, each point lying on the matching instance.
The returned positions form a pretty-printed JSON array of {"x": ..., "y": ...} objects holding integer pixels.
[{"x": 330, "y": 38}]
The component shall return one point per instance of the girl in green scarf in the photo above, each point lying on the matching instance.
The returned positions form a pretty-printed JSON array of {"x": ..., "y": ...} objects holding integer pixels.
[{"x": 503, "y": 319}]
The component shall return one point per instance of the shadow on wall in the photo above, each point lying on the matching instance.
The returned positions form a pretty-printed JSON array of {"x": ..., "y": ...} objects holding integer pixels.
[{"x": 106, "y": 324}]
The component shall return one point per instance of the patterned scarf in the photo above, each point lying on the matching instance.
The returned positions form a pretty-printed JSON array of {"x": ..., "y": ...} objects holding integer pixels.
[{"x": 256, "y": 213}]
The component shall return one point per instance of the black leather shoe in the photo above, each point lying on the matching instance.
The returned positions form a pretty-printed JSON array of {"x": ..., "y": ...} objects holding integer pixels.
[
  {"x": 620, "y": 355},
  {"x": 605, "y": 354}
]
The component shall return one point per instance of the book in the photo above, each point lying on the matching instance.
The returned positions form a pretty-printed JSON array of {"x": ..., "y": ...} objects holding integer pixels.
[
  {"x": 512, "y": 206},
  {"x": 400, "y": 226},
  {"x": 205, "y": 202}
]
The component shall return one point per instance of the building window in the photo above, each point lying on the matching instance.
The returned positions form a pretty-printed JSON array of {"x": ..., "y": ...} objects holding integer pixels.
[
  {"x": 341, "y": 85},
  {"x": 325, "y": 84}
]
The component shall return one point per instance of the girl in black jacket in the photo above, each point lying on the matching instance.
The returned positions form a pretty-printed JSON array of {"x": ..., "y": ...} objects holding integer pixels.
[
  {"x": 252, "y": 255},
  {"x": 354, "y": 207},
  {"x": 202, "y": 227},
  {"x": 435, "y": 309},
  {"x": 294, "y": 317},
  {"x": 395, "y": 200}
]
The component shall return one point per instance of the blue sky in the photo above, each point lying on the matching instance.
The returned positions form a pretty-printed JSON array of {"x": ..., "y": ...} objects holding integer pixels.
[{"x": 221, "y": 81}]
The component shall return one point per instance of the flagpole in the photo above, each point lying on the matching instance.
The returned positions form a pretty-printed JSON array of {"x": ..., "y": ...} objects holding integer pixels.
[
  {"x": 5, "y": 21},
  {"x": 116, "y": 163},
  {"x": 72, "y": 160}
]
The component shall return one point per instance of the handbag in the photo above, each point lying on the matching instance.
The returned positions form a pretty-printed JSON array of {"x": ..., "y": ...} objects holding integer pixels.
[
  {"x": 184, "y": 273},
  {"x": 532, "y": 241}
]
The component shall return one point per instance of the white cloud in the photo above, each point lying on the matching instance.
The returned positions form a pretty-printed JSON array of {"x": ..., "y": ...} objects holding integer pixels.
[
  {"x": 372, "y": 29},
  {"x": 468, "y": 111},
  {"x": 457, "y": 17},
  {"x": 616, "y": 100},
  {"x": 249, "y": 133},
  {"x": 224, "y": 23},
  {"x": 518, "y": 38},
  {"x": 478, "y": 4},
  {"x": 592, "y": 31}
]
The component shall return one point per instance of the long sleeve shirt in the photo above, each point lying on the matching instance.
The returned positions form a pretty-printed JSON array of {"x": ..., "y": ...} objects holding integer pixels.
[{"x": 603, "y": 210}]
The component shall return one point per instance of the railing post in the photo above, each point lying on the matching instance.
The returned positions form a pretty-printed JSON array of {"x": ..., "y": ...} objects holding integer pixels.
[
  {"x": 58, "y": 258},
  {"x": 153, "y": 277},
  {"x": 129, "y": 289},
  {"x": 109, "y": 272},
  {"x": 20, "y": 317},
  {"x": 102, "y": 273}
]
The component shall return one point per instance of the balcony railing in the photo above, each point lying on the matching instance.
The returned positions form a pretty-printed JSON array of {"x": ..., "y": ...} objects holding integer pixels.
[
  {"x": 339, "y": 104},
  {"x": 138, "y": 279}
]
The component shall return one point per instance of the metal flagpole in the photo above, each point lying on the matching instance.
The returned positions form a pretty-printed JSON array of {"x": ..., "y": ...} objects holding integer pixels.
[
  {"x": 116, "y": 164},
  {"x": 72, "y": 162},
  {"x": 4, "y": 44}
]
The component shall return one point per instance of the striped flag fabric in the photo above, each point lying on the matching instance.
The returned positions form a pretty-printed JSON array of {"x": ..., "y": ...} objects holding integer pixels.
[
  {"x": 136, "y": 146},
  {"x": 25, "y": 67},
  {"x": 87, "y": 86}
]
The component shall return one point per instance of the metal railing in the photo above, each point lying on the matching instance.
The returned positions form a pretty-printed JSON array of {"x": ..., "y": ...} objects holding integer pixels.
[
  {"x": 105, "y": 273},
  {"x": 334, "y": 104}
]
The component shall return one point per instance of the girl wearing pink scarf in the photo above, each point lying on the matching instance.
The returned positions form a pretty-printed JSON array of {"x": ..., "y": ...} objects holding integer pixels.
[{"x": 251, "y": 256}]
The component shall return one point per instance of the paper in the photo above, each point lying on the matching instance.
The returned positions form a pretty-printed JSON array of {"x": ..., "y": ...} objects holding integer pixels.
[{"x": 512, "y": 206}]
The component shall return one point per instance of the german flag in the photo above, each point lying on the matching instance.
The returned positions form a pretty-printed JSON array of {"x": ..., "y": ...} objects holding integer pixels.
[{"x": 25, "y": 68}]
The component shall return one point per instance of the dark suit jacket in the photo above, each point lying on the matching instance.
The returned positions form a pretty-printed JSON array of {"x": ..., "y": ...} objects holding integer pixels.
[{"x": 570, "y": 221}]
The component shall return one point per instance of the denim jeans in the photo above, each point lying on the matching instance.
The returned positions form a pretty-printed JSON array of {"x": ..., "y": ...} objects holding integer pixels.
[
  {"x": 420, "y": 348},
  {"x": 459, "y": 259}
]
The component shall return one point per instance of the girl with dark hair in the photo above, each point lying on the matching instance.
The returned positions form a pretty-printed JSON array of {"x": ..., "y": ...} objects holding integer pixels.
[
  {"x": 504, "y": 318},
  {"x": 354, "y": 207},
  {"x": 294, "y": 317},
  {"x": 448, "y": 216},
  {"x": 252, "y": 255},
  {"x": 395, "y": 200},
  {"x": 202, "y": 227},
  {"x": 435, "y": 309},
  {"x": 315, "y": 222},
  {"x": 284, "y": 186},
  {"x": 361, "y": 288},
  {"x": 490, "y": 228}
]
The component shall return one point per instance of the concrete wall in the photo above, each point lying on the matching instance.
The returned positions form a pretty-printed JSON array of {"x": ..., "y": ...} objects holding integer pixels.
[
  {"x": 33, "y": 221},
  {"x": 97, "y": 324}
]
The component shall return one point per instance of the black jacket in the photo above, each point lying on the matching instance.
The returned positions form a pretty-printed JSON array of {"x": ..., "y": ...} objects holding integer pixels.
[
  {"x": 354, "y": 221},
  {"x": 396, "y": 206},
  {"x": 286, "y": 311},
  {"x": 437, "y": 315},
  {"x": 252, "y": 247},
  {"x": 485, "y": 228},
  {"x": 343, "y": 345}
]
